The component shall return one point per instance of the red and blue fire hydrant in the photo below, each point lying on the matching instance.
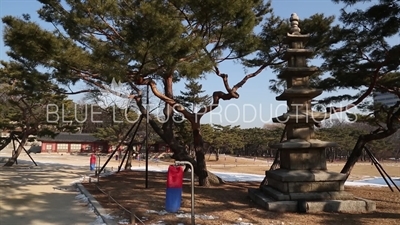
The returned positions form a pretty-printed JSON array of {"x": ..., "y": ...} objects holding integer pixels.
[
  {"x": 92, "y": 162},
  {"x": 174, "y": 188}
]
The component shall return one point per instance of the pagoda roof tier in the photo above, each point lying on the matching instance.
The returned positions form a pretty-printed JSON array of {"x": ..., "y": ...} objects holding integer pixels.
[
  {"x": 298, "y": 52},
  {"x": 296, "y": 37},
  {"x": 299, "y": 92},
  {"x": 301, "y": 117},
  {"x": 300, "y": 143},
  {"x": 297, "y": 72}
]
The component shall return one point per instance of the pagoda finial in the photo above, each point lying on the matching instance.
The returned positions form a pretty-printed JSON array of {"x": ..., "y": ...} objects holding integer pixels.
[{"x": 294, "y": 24}]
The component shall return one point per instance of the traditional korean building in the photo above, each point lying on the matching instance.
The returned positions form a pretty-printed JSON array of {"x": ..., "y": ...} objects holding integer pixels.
[{"x": 77, "y": 142}]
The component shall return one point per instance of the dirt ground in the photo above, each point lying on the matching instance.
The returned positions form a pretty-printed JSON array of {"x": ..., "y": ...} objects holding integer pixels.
[{"x": 229, "y": 203}]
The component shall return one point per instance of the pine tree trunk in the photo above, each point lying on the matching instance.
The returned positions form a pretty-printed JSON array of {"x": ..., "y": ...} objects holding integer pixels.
[
  {"x": 201, "y": 172},
  {"x": 179, "y": 152},
  {"x": 18, "y": 151},
  {"x": 355, "y": 155},
  {"x": 201, "y": 167},
  {"x": 128, "y": 163},
  {"x": 359, "y": 147},
  {"x": 166, "y": 134}
]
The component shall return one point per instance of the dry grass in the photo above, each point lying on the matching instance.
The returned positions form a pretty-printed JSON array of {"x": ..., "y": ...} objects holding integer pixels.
[{"x": 229, "y": 202}]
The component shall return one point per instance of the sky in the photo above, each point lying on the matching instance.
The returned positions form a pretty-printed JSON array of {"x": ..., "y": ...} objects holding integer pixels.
[{"x": 256, "y": 105}]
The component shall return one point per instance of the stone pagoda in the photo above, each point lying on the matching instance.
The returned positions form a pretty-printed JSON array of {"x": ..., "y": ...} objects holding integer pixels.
[{"x": 303, "y": 183}]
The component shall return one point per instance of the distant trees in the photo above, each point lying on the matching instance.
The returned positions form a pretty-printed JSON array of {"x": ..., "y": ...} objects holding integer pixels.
[
  {"x": 235, "y": 140},
  {"x": 345, "y": 134},
  {"x": 256, "y": 141}
]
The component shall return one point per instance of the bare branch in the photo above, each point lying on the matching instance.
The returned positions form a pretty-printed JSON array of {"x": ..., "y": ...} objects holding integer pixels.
[
  {"x": 217, "y": 46},
  {"x": 188, "y": 58},
  {"x": 80, "y": 92},
  {"x": 231, "y": 92},
  {"x": 217, "y": 95},
  {"x": 101, "y": 32},
  {"x": 251, "y": 75},
  {"x": 134, "y": 87},
  {"x": 112, "y": 28},
  {"x": 226, "y": 83},
  {"x": 170, "y": 101},
  {"x": 394, "y": 90},
  {"x": 216, "y": 71},
  {"x": 371, "y": 87}
]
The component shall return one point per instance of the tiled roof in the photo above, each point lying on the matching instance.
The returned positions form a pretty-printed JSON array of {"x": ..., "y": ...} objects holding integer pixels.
[{"x": 68, "y": 137}]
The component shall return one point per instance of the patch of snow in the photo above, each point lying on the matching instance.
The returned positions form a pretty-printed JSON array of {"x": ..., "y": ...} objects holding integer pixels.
[
  {"x": 151, "y": 168},
  {"x": 161, "y": 212},
  {"x": 123, "y": 221},
  {"x": 204, "y": 217},
  {"x": 80, "y": 180},
  {"x": 372, "y": 181},
  {"x": 107, "y": 173},
  {"x": 82, "y": 198},
  {"x": 159, "y": 223},
  {"x": 208, "y": 217},
  {"x": 239, "y": 177},
  {"x": 181, "y": 214},
  {"x": 98, "y": 221},
  {"x": 360, "y": 184},
  {"x": 108, "y": 216}
]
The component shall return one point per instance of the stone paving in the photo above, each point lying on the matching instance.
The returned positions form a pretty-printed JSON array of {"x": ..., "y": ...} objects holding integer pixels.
[{"x": 42, "y": 195}]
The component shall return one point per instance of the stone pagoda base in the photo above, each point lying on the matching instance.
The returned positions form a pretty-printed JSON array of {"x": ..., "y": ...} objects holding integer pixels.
[
  {"x": 333, "y": 203},
  {"x": 305, "y": 184},
  {"x": 307, "y": 191}
]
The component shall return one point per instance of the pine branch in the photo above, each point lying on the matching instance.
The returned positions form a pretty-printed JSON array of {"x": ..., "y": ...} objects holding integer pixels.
[{"x": 367, "y": 93}]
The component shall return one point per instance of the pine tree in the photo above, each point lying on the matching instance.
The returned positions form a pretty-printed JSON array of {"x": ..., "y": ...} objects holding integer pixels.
[
  {"x": 144, "y": 42},
  {"x": 26, "y": 98},
  {"x": 360, "y": 57},
  {"x": 192, "y": 98}
]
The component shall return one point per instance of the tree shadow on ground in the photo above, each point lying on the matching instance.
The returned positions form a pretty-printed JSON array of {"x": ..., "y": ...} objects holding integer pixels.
[{"x": 41, "y": 195}]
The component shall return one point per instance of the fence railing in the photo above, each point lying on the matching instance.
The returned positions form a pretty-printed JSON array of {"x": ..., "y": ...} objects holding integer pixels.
[{"x": 110, "y": 198}]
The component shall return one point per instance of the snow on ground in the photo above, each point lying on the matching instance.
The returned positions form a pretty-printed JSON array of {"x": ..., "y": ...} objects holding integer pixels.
[
  {"x": 98, "y": 221},
  {"x": 245, "y": 177}
]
